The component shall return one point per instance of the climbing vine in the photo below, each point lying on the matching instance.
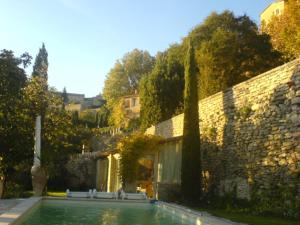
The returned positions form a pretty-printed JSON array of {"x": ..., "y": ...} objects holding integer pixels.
[{"x": 132, "y": 148}]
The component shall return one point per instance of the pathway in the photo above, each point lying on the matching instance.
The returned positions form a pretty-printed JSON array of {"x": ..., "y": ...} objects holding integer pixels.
[{"x": 7, "y": 204}]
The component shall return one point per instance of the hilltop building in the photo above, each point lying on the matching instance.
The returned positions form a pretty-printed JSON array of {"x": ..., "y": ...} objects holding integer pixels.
[
  {"x": 78, "y": 102},
  {"x": 274, "y": 9},
  {"x": 132, "y": 106}
]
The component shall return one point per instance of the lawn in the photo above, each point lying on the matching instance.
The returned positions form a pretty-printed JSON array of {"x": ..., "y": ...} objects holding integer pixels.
[{"x": 251, "y": 219}]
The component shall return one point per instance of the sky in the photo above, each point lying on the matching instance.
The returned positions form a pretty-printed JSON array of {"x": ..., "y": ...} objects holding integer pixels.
[{"x": 84, "y": 38}]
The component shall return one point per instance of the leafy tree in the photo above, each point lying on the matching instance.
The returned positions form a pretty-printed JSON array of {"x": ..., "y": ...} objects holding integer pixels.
[
  {"x": 75, "y": 117},
  {"x": 161, "y": 91},
  {"x": 150, "y": 91},
  {"x": 88, "y": 118},
  {"x": 14, "y": 124},
  {"x": 230, "y": 50},
  {"x": 103, "y": 115},
  {"x": 284, "y": 30},
  {"x": 123, "y": 79},
  {"x": 117, "y": 116},
  {"x": 191, "y": 157},
  {"x": 58, "y": 136},
  {"x": 40, "y": 67}
]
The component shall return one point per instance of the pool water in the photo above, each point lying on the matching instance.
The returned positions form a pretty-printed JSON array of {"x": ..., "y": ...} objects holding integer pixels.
[{"x": 53, "y": 212}]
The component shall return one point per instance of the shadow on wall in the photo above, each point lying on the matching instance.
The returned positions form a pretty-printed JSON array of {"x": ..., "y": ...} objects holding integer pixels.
[
  {"x": 260, "y": 155},
  {"x": 80, "y": 172}
]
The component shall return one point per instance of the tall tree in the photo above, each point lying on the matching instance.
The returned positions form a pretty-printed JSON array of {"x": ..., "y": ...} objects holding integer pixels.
[
  {"x": 64, "y": 96},
  {"x": 40, "y": 67},
  {"x": 15, "y": 126},
  {"x": 123, "y": 79},
  {"x": 230, "y": 50},
  {"x": 161, "y": 91},
  {"x": 58, "y": 133},
  {"x": 191, "y": 155},
  {"x": 284, "y": 30}
]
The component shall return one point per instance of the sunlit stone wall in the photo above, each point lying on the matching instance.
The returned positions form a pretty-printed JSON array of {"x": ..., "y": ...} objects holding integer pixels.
[{"x": 250, "y": 137}]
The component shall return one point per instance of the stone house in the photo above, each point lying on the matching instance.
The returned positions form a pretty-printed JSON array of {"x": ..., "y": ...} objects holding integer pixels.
[
  {"x": 131, "y": 106},
  {"x": 274, "y": 9}
]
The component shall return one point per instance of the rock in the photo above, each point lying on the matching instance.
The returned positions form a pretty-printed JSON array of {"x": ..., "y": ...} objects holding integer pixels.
[{"x": 295, "y": 101}]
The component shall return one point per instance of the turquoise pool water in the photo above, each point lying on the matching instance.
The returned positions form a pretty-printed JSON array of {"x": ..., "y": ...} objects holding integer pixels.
[{"x": 53, "y": 212}]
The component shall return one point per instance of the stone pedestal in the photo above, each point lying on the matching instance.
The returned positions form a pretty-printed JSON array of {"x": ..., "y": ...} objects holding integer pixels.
[{"x": 39, "y": 180}]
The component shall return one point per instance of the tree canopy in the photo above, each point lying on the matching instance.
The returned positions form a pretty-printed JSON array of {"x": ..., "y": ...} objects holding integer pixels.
[
  {"x": 230, "y": 50},
  {"x": 284, "y": 30},
  {"x": 123, "y": 79},
  {"x": 40, "y": 67},
  {"x": 161, "y": 92},
  {"x": 14, "y": 122}
]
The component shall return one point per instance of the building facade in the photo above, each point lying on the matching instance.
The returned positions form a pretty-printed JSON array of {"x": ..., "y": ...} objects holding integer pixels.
[
  {"x": 274, "y": 9},
  {"x": 132, "y": 107}
]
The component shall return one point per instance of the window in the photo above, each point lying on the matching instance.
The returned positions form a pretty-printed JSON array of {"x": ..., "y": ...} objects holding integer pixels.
[
  {"x": 127, "y": 103},
  {"x": 133, "y": 102}
]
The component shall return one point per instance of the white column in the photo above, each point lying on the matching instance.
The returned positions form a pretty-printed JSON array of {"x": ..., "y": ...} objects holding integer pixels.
[
  {"x": 109, "y": 173},
  {"x": 37, "y": 145}
]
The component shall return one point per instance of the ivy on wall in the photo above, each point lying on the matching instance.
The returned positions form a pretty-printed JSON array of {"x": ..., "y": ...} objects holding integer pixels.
[{"x": 132, "y": 148}]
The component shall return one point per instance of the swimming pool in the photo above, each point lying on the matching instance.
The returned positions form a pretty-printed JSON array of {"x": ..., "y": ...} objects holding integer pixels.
[
  {"x": 58, "y": 212},
  {"x": 65, "y": 211}
]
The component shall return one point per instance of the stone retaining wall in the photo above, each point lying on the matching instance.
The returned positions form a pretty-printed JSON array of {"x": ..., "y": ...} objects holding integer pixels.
[{"x": 250, "y": 138}]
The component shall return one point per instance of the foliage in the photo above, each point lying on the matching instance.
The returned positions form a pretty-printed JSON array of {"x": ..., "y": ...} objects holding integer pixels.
[
  {"x": 102, "y": 116},
  {"x": 40, "y": 67},
  {"x": 281, "y": 200},
  {"x": 14, "y": 123},
  {"x": 161, "y": 91},
  {"x": 248, "y": 217},
  {"x": 284, "y": 30},
  {"x": 123, "y": 79},
  {"x": 244, "y": 112},
  {"x": 191, "y": 162},
  {"x": 132, "y": 148},
  {"x": 57, "y": 127},
  {"x": 88, "y": 118},
  {"x": 230, "y": 50},
  {"x": 117, "y": 116}
]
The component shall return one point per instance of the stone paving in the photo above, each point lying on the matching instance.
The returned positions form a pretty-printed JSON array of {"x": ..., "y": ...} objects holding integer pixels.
[{"x": 7, "y": 204}]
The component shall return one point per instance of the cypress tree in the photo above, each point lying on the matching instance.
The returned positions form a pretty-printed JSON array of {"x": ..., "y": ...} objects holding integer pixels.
[
  {"x": 64, "y": 96},
  {"x": 191, "y": 156},
  {"x": 40, "y": 67}
]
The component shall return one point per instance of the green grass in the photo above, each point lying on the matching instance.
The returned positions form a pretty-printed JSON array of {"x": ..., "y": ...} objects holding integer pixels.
[
  {"x": 250, "y": 219},
  {"x": 56, "y": 194}
]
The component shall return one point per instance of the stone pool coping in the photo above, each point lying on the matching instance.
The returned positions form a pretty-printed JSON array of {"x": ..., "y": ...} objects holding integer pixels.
[
  {"x": 193, "y": 216},
  {"x": 15, "y": 214}
]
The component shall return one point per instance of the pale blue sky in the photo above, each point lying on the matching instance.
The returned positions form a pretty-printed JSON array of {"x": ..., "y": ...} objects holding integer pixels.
[{"x": 84, "y": 38}]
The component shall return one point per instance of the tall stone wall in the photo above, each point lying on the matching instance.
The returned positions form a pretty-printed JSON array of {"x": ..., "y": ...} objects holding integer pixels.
[{"x": 250, "y": 137}]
